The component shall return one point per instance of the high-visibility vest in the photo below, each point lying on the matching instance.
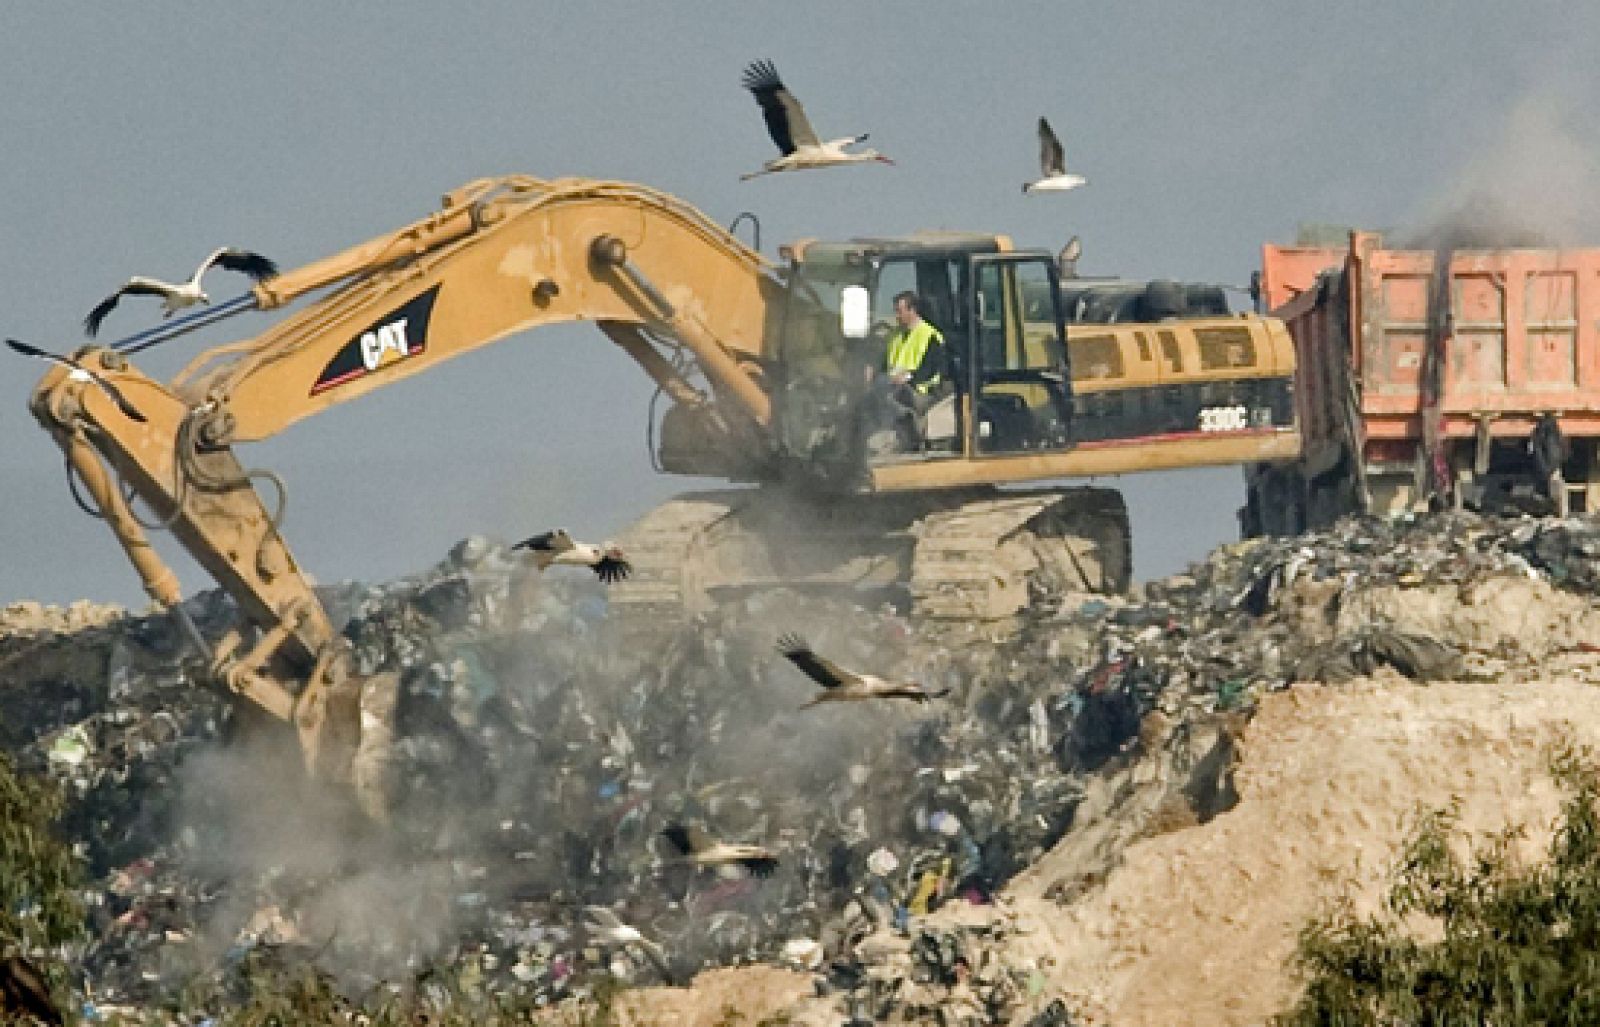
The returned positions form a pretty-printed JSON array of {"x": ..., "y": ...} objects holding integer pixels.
[{"x": 907, "y": 348}]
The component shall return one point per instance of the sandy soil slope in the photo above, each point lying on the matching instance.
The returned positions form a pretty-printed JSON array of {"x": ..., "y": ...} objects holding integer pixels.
[{"x": 1196, "y": 925}]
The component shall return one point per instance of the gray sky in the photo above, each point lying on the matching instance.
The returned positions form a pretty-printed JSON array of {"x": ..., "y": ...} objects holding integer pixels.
[{"x": 138, "y": 137}]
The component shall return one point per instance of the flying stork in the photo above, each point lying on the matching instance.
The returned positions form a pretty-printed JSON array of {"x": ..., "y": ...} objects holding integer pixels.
[
  {"x": 606, "y": 927},
  {"x": 842, "y": 685},
  {"x": 1052, "y": 165},
  {"x": 705, "y": 851},
  {"x": 786, "y": 121},
  {"x": 79, "y": 373},
  {"x": 553, "y": 547},
  {"x": 176, "y": 297}
]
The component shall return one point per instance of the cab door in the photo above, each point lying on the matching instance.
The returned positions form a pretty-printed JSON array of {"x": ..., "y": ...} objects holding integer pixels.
[{"x": 1017, "y": 371}]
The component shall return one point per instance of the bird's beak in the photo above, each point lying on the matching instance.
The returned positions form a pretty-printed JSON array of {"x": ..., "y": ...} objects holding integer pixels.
[{"x": 885, "y": 160}]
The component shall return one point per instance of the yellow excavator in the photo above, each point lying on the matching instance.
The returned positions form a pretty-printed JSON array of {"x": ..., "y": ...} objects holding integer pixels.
[{"x": 768, "y": 368}]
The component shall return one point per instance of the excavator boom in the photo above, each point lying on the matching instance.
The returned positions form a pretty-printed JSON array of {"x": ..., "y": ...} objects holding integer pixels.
[{"x": 501, "y": 257}]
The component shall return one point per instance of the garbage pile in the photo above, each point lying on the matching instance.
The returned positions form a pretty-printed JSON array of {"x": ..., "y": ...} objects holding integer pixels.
[
  {"x": 955, "y": 974},
  {"x": 540, "y": 745}
]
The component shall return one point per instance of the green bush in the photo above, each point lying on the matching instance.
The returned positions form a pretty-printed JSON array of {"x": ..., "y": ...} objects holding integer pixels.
[
  {"x": 39, "y": 875},
  {"x": 1516, "y": 944}
]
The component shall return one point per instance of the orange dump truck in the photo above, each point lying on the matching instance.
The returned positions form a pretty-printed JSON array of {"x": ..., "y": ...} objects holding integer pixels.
[{"x": 1465, "y": 377}]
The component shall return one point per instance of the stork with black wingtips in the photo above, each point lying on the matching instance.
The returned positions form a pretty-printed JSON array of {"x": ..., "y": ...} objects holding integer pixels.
[
  {"x": 175, "y": 297},
  {"x": 699, "y": 848},
  {"x": 792, "y": 131},
  {"x": 841, "y": 684},
  {"x": 558, "y": 547},
  {"x": 81, "y": 373}
]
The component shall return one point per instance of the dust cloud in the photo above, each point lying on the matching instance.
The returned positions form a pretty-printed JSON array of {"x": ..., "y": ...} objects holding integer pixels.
[
  {"x": 537, "y": 758},
  {"x": 296, "y": 865},
  {"x": 1534, "y": 182}
]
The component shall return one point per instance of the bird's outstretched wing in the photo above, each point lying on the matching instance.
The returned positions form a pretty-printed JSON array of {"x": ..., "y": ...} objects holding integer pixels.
[
  {"x": 678, "y": 835},
  {"x": 658, "y": 959},
  {"x": 786, "y": 119},
  {"x": 1052, "y": 158},
  {"x": 688, "y": 840},
  {"x": 1067, "y": 259},
  {"x": 232, "y": 259},
  {"x": 557, "y": 541},
  {"x": 34, "y": 351},
  {"x": 612, "y": 567},
  {"x": 136, "y": 286},
  {"x": 824, "y": 672},
  {"x": 603, "y": 915},
  {"x": 24, "y": 987},
  {"x": 760, "y": 866},
  {"x": 115, "y": 394}
]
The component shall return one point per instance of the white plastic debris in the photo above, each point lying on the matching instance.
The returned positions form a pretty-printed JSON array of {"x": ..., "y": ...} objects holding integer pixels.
[
  {"x": 805, "y": 953},
  {"x": 882, "y": 862},
  {"x": 71, "y": 747}
]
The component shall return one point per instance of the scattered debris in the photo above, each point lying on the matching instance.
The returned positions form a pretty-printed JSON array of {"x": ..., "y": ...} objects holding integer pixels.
[{"x": 538, "y": 767}]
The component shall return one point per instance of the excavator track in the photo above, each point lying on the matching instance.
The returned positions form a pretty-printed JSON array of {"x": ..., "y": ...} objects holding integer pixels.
[
  {"x": 663, "y": 582},
  {"x": 971, "y": 555},
  {"x": 984, "y": 559}
]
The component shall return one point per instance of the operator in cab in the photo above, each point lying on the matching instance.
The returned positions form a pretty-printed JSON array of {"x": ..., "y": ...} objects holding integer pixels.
[
  {"x": 915, "y": 351},
  {"x": 909, "y": 381}
]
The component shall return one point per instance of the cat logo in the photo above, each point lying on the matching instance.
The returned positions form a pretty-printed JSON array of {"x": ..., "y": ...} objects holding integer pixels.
[
  {"x": 390, "y": 338},
  {"x": 399, "y": 335}
]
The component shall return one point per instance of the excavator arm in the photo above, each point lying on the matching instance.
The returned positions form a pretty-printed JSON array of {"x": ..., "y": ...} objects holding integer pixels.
[{"x": 500, "y": 257}]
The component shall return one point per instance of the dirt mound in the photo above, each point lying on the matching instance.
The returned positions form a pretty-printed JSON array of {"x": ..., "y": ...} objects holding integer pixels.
[
  {"x": 1198, "y": 924},
  {"x": 1500, "y": 614},
  {"x": 748, "y": 995}
]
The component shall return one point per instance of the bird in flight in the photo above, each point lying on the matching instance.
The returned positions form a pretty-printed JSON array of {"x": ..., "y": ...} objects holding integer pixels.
[
  {"x": 704, "y": 851},
  {"x": 187, "y": 294},
  {"x": 842, "y": 685},
  {"x": 24, "y": 993},
  {"x": 79, "y": 373},
  {"x": 605, "y": 927},
  {"x": 553, "y": 547},
  {"x": 1052, "y": 165},
  {"x": 792, "y": 131},
  {"x": 1067, "y": 259}
]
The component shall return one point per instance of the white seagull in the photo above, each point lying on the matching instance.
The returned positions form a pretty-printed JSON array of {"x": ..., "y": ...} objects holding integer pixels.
[
  {"x": 705, "y": 851},
  {"x": 1053, "y": 165},
  {"x": 605, "y": 927},
  {"x": 557, "y": 547},
  {"x": 176, "y": 297},
  {"x": 842, "y": 685},
  {"x": 80, "y": 373},
  {"x": 786, "y": 121}
]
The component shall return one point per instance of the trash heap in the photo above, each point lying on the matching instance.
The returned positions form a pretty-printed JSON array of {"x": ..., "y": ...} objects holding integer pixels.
[{"x": 541, "y": 742}]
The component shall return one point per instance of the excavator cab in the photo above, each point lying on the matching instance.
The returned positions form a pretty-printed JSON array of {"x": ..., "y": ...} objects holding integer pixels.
[{"x": 1005, "y": 383}]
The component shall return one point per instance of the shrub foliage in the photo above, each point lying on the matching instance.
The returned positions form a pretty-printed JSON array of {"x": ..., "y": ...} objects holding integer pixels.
[
  {"x": 1507, "y": 943},
  {"x": 39, "y": 904}
]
